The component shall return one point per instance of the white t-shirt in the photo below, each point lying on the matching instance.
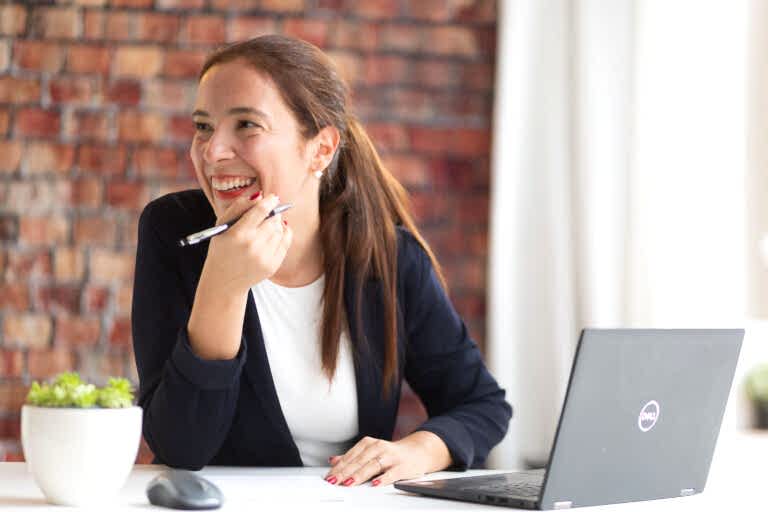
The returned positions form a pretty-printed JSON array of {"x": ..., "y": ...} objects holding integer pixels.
[{"x": 321, "y": 416}]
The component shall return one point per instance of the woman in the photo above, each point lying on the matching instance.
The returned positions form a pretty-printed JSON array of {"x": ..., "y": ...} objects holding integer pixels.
[{"x": 284, "y": 341}]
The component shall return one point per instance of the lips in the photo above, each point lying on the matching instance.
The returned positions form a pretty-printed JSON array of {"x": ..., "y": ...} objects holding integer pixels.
[{"x": 229, "y": 186}]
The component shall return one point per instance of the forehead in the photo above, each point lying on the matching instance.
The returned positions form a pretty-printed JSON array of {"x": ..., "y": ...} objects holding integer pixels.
[{"x": 237, "y": 84}]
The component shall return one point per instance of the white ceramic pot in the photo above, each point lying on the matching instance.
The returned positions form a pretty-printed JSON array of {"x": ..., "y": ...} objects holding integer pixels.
[{"x": 80, "y": 456}]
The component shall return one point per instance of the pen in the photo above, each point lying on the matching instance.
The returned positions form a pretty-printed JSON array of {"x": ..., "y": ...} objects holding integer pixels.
[{"x": 200, "y": 236}]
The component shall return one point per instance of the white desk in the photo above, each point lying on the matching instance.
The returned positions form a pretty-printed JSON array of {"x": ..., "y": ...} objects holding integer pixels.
[{"x": 738, "y": 480}]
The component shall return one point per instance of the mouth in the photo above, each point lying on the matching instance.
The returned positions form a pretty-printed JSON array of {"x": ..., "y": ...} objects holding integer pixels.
[{"x": 230, "y": 186}]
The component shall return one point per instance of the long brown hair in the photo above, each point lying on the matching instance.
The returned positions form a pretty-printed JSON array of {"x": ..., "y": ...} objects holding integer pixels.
[{"x": 361, "y": 203}]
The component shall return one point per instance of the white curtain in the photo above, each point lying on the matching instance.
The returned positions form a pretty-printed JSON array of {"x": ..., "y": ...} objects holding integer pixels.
[{"x": 618, "y": 185}]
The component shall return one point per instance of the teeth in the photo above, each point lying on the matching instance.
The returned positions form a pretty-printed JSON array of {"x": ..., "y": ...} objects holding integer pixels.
[{"x": 230, "y": 183}]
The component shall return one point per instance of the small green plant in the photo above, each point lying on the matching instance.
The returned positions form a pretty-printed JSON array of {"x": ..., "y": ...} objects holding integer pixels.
[
  {"x": 69, "y": 390},
  {"x": 757, "y": 384}
]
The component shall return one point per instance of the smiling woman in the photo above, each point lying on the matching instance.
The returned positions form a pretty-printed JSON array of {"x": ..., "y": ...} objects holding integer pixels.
[{"x": 285, "y": 340}]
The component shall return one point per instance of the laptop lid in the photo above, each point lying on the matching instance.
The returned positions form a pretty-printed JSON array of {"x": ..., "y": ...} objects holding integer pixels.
[{"x": 641, "y": 415}]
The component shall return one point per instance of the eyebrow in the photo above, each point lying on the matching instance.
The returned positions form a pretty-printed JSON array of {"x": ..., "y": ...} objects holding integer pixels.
[{"x": 235, "y": 111}]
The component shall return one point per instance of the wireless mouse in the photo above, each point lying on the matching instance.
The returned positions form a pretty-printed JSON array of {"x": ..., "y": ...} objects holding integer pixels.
[{"x": 183, "y": 490}]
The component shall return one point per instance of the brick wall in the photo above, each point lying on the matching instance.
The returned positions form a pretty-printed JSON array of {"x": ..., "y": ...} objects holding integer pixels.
[{"x": 95, "y": 99}]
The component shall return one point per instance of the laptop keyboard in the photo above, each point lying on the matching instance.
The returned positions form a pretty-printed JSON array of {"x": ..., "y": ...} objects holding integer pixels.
[{"x": 526, "y": 484}]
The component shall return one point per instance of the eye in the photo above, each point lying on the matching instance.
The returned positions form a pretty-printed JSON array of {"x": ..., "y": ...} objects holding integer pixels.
[
  {"x": 247, "y": 124},
  {"x": 202, "y": 127}
]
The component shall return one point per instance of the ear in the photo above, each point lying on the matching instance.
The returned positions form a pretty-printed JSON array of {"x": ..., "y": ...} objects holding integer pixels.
[{"x": 325, "y": 143}]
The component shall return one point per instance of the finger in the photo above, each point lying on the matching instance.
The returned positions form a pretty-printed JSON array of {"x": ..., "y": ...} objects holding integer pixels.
[
  {"x": 390, "y": 477},
  {"x": 341, "y": 463},
  {"x": 260, "y": 209},
  {"x": 369, "y": 466},
  {"x": 237, "y": 208},
  {"x": 285, "y": 243}
]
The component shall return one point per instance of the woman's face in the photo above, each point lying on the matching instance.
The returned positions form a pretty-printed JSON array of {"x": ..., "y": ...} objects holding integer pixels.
[{"x": 247, "y": 140}]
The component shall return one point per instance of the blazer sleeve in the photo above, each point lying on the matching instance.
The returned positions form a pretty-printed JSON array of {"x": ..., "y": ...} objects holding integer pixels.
[
  {"x": 444, "y": 366},
  {"x": 188, "y": 403}
]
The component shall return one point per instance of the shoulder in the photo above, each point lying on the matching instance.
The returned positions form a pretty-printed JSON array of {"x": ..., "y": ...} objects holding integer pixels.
[
  {"x": 412, "y": 259},
  {"x": 178, "y": 214}
]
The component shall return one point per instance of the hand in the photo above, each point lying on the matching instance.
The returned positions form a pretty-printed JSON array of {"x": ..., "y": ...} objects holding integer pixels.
[
  {"x": 250, "y": 251},
  {"x": 387, "y": 461}
]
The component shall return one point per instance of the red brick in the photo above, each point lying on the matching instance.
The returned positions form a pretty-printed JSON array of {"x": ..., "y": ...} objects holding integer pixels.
[
  {"x": 129, "y": 195},
  {"x": 59, "y": 298},
  {"x": 38, "y": 55},
  {"x": 429, "y": 207},
  {"x": 178, "y": 4},
  {"x": 11, "y": 365},
  {"x": 19, "y": 90},
  {"x": 354, "y": 35},
  {"x": 10, "y": 427},
  {"x": 28, "y": 330},
  {"x": 95, "y": 231},
  {"x": 106, "y": 160},
  {"x": 348, "y": 66},
  {"x": 124, "y": 92},
  {"x": 87, "y": 192},
  {"x": 437, "y": 74},
  {"x": 154, "y": 162},
  {"x": 158, "y": 27},
  {"x": 386, "y": 9},
  {"x": 131, "y": 3},
  {"x": 141, "y": 126},
  {"x": 14, "y": 295},
  {"x": 137, "y": 61},
  {"x": 169, "y": 95},
  {"x": 183, "y": 63},
  {"x": 88, "y": 125},
  {"x": 203, "y": 29},
  {"x": 241, "y": 28},
  {"x": 56, "y": 22},
  {"x": 452, "y": 40},
  {"x": 120, "y": 332},
  {"x": 123, "y": 300},
  {"x": 96, "y": 298},
  {"x": 107, "y": 363},
  {"x": 466, "y": 141},
  {"x": 13, "y": 19},
  {"x": 77, "y": 330},
  {"x": 411, "y": 171},
  {"x": 45, "y": 364},
  {"x": 388, "y": 136},
  {"x": 94, "y": 21},
  {"x": 9, "y": 226},
  {"x": 404, "y": 38},
  {"x": 11, "y": 151},
  {"x": 69, "y": 263},
  {"x": 27, "y": 264},
  {"x": 478, "y": 76},
  {"x": 88, "y": 59},
  {"x": 42, "y": 157},
  {"x": 91, "y": 3},
  {"x": 181, "y": 129},
  {"x": 454, "y": 173},
  {"x": 108, "y": 266},
  {"x": 31, "y": 122},
  {"x": 313, "y": 31},
  {"x": 5, "y": 55},
  {"x": 43, "y": 230},
  {"x": 13, "y": 394},
  {"x": 386, "y": 69},
  {"x": 72, "y": 90},
  {"x": 413, "y": 104},
  {"x": 121, "y": 26},
  {"x": 4, "y": 123},
  {"x": 282, "y": 5}
]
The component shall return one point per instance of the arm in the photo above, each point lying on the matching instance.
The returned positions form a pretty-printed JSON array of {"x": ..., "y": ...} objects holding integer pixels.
[
  {"x": 188, "y": 401},
  {"x": 444, "y": 367}
]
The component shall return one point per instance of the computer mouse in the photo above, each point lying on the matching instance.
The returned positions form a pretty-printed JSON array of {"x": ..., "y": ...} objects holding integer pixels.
[{"x": 179, "y": 489}]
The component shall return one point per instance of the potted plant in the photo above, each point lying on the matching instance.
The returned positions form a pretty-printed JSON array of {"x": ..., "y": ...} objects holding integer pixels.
[
  {"x": 80, "y": 441},
  {"x": 757, "y": 390}
]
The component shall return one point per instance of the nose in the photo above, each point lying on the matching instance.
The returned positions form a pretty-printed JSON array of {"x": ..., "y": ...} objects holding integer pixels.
[{"x": 218, "y": 147}]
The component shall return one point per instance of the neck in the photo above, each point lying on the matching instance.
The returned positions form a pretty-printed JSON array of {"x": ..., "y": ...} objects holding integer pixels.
[{"x": 303, "y": 263}]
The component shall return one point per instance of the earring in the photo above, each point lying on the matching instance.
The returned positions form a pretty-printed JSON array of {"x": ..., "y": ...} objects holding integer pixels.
[{"x": 319, "y": 174}]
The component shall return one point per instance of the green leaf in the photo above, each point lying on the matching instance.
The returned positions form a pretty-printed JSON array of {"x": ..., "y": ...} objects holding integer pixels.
[{"x": 69, "y": 390}]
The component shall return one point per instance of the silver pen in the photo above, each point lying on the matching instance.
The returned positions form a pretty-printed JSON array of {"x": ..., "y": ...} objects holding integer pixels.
[{"x": 200, "y": 236}]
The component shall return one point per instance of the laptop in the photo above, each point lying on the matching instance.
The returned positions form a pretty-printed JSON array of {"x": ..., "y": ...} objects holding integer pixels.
[{"x": 639, "y": 422}]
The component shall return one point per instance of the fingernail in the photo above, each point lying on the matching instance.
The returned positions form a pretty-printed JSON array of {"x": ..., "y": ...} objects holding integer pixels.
[
  {"x": 256, "y": 195},
  {"x": 331, "y": 480},
  {"x": 330, "y": 459},
  {"x": 376, "y": 482},
  {"x": 285, "y": 222},
  {"x": 349, "y": 481}
]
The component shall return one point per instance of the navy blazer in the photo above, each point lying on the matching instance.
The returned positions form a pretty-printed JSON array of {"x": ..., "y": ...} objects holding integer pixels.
[{"x": 199, "y": 412}]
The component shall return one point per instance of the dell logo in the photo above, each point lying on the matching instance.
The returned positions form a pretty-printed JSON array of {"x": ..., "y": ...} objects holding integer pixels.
[{"x": 649, "y": 415}]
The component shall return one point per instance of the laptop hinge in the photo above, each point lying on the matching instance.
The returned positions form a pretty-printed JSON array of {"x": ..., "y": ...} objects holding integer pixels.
[{"x": 560, "y": 505}]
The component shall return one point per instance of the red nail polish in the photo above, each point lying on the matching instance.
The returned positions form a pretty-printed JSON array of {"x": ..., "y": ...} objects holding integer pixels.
[
  {"x": 376, "y": 482},
  {"x": 331, "y": 480},
  {"x": 285, "y": 222},
  {"x": 349, "y": 481},
  {"x": 255, "y": 196}
]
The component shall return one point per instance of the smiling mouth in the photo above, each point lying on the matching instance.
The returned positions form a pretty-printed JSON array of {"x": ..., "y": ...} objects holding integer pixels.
[{"x": 231, "y": 183}]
